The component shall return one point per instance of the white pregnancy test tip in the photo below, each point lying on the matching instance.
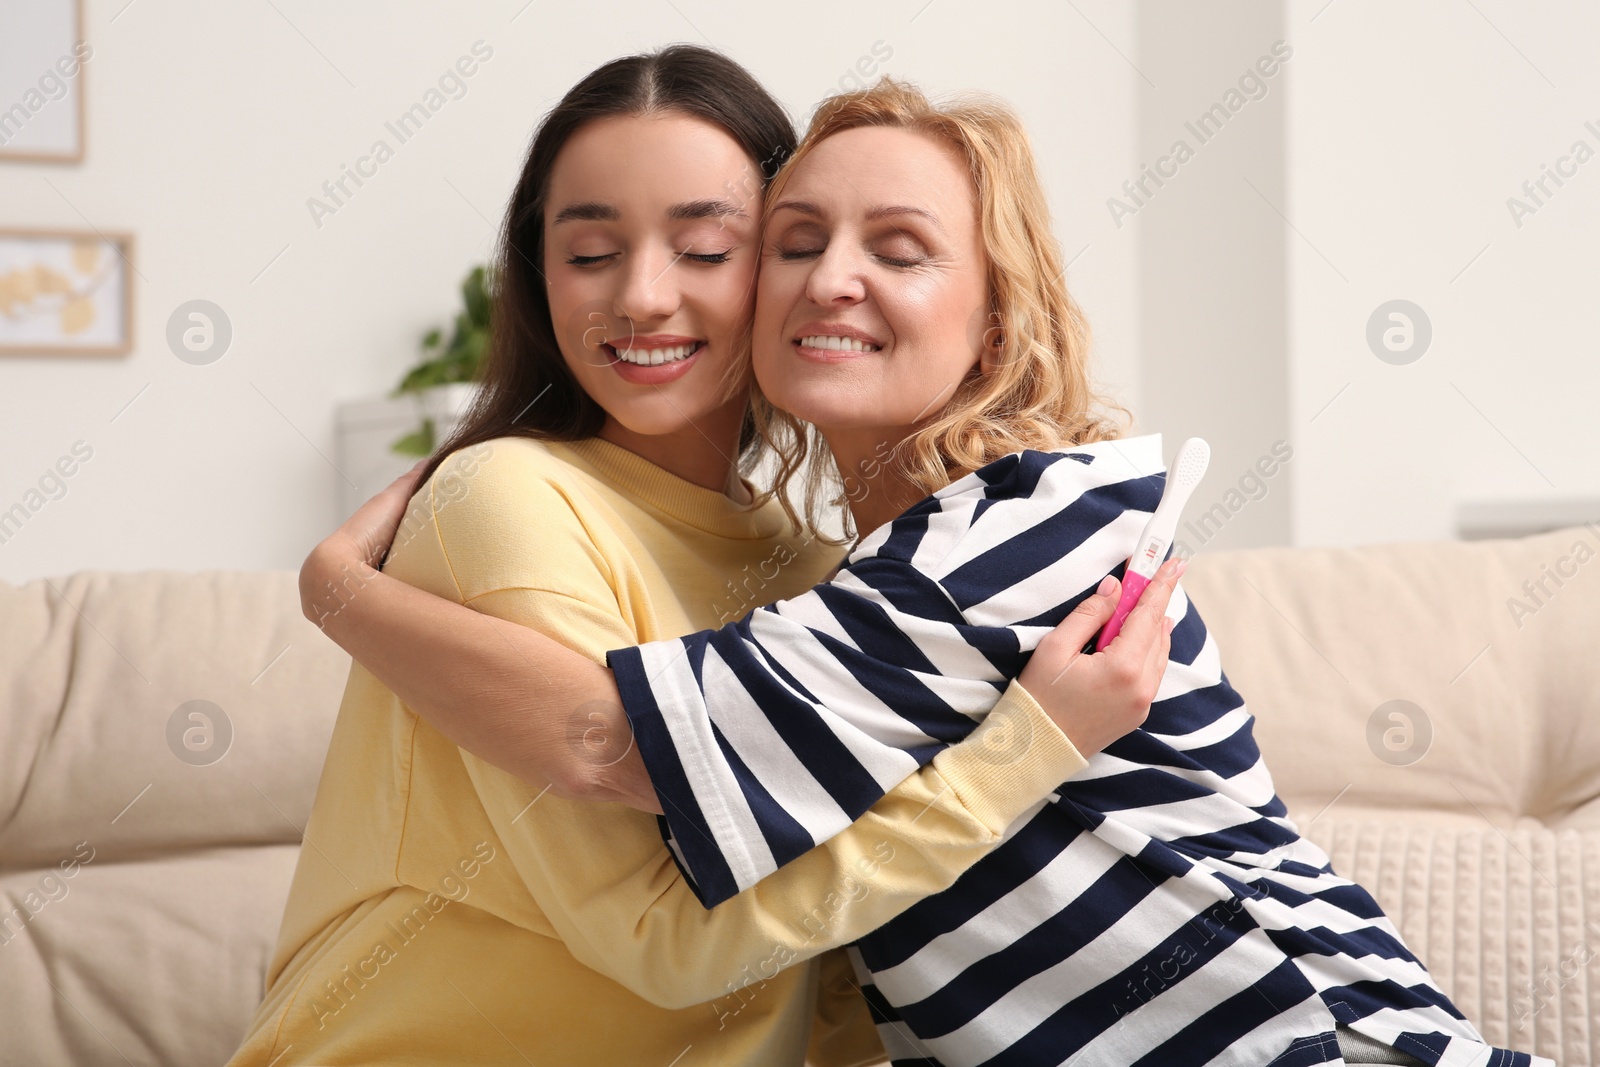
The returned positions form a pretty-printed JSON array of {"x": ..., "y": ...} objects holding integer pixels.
[
  {"x": 1187, "y": 469},
  {"x": 1190, "y": 464}
]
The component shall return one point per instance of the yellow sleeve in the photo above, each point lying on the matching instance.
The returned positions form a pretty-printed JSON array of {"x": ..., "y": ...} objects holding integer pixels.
[
  {"x": 601, "y": 873},
  {"x": 842, "y": 1032}
]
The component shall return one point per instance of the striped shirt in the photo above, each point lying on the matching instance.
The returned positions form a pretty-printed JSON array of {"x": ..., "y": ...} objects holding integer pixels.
[{"x": 1159, "y": 908}]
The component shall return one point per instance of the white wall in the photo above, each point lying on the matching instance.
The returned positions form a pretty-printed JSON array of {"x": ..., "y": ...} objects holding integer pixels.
[
  {"x": 1213, "y": 81},
  {"x": 210, "y": 125},
  {"x": 1387, "y": 148},
  {"x": 1410, "y": 126}
]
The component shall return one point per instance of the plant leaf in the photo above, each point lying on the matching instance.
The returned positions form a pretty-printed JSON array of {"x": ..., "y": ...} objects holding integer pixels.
[
  {"x": 462, "y": 358},
  {"x": 476, "y": 297},
  {"x": 416, "y": 443}
]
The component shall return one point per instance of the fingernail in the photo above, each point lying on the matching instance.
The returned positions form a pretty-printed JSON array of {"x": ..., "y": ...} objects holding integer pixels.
[
  {"x": 1106, "y": 585},
  {"x": 1171, "y": 622},
  {"x": 1183, "y": 565}
]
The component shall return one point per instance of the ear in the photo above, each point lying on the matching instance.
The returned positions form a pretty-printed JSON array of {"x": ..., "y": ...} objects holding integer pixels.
[{"x": 994, "y": 342}]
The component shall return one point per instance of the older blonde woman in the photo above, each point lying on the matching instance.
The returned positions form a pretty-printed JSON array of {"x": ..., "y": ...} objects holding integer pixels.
[{"x": 1161, "y": 908}]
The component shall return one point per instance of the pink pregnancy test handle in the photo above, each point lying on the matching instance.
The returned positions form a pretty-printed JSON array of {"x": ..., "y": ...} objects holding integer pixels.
[{"x": 1133, "y": 584}]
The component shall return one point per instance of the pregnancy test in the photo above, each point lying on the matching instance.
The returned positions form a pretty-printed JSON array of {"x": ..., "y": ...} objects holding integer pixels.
[{"x": 1185, "y": 473}]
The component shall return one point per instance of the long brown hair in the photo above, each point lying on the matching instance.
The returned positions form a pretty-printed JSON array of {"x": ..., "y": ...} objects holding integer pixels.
[{"x": 526, "y": 388}]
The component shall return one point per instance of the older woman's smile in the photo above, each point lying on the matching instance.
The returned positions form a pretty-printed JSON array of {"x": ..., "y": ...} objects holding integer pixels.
[{"x": 831, "y": 342}]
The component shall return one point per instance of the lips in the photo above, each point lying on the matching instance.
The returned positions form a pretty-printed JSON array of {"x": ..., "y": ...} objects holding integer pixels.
[
  {"x": 835, "y": 337},
  {"x": 653, "y": 350},
  {"x": 654, "y": 355},
  {"x": 653, "y": 359},
  {"x": 836, "y": 344}
]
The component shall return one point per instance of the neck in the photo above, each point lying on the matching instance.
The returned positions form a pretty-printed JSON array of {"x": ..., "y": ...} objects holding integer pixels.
[
  {"x": 876, "y": 493},
  {"x": 703, "y": 455}
]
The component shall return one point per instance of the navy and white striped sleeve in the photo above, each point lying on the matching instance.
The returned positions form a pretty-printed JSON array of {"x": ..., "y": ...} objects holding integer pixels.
[{"x": 775, "y": 732}]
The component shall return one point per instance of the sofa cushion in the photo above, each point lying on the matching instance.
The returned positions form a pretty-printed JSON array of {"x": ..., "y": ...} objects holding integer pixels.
[
  {"x": 1501, "y": 720},
  {"x": 154, "y": 960},
  {"x": 1507, "y": 923},
  {"x": 152, "y": 942},
  {"x": 93, "y": 669}
]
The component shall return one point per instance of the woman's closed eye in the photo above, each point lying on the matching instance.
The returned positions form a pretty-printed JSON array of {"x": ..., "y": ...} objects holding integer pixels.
[
  {"x": 698, "y": 257},
  {"x": 807, "y": 252},
  {"x": 900, "y": 250},
  {"x": 900, "y": 254}
]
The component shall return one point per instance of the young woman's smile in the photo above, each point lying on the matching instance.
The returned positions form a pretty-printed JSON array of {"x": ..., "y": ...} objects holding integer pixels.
[{"x": 654, "y": 359}]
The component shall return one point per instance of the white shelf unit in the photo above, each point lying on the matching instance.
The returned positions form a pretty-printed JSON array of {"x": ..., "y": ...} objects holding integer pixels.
[{"x": 365, "y": 429}]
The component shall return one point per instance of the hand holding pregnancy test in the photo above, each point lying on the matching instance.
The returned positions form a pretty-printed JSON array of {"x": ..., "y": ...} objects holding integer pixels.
[
  {"x": 1111, "y": 694},
  {"x": 1096, "y": 699},
  {"x": 1187, "y": 469}
]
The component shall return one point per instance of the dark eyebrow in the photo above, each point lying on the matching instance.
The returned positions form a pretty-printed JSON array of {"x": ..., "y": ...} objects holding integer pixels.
[
  {"x": 589, "y": 211},
  {"x": 806, "y": 207},
  {"x": 594, "y": 211}
]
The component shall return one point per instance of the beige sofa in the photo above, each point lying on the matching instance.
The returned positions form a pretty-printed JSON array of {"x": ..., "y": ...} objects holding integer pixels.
[{"x": 142, "y": 877}]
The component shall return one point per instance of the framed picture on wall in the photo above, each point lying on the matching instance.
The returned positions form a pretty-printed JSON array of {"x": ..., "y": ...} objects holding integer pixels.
[
  {"x": 42, "y": 56},
  {"x": 65, "y": 292}
]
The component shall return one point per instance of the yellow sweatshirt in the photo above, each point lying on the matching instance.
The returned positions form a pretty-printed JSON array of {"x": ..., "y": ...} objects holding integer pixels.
[{"x": 443, "y": 911}]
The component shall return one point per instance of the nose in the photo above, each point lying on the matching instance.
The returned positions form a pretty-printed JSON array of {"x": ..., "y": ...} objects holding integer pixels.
[
  {"x": 836, "y": 276},
  {"x": 647, "y": 289}
]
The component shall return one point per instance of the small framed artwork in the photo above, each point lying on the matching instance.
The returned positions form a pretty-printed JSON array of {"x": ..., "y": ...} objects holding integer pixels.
[
  {"x": 42, "y": 58},
  {"x": 65, "y": 292}
]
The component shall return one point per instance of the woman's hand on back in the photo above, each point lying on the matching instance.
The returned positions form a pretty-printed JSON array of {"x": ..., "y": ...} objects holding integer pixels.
[
  {"x": 1097, "y": 697},
  {"x": 362, "y": 540}
]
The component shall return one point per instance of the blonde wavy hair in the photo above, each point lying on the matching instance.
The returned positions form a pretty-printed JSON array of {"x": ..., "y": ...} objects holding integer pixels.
[{"x": 1039, "y": 396}]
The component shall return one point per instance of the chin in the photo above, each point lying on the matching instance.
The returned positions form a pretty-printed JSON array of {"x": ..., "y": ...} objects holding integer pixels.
[
  {"x": 832, "y": 406},
  {"x": 658, "y": 419}
]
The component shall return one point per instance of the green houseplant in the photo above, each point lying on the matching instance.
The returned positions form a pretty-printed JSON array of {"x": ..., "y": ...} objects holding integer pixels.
[{"x": 458, "y": 361}]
